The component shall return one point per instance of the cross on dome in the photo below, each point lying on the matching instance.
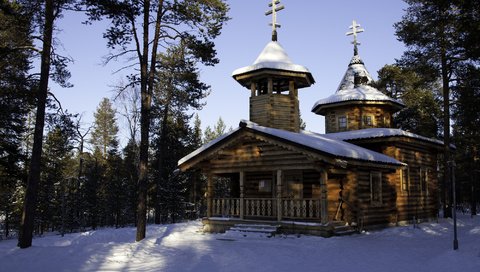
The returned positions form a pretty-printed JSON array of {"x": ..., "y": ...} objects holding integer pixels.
[
  {"x": 275, "y": 8},
  {"x": 355, "y": 30}
]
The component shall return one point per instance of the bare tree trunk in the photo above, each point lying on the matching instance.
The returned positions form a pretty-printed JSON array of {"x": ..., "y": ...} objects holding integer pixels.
[
  {"x": 146, "y": 87},
  {"x": 144, "y": 130},
  {"x": 27, "y": 220},
  {"x": 446, "y": 138}
]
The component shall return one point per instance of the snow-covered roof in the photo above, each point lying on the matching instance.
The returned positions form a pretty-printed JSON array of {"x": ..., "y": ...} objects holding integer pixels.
[
  {"x": 347, "y": 90},
  {"x": 273, "y": 56},
  {"x": 371, "y": 133},
  {"x": 318, "y": 142},
  {"x": 206, "y": 146},
  {"x": 356, "y": 67}
]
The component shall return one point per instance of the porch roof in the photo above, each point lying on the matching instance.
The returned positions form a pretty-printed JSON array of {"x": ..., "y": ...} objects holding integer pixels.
[{"x": 336, "y": 148}]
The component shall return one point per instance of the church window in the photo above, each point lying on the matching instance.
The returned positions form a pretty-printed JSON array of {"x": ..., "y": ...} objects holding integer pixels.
[
  {"x": 367, "y": 120},
  {"x": 265, "y": 186},
  {"x": 342, "y": 122},
  {"x": 405, "y": 180},
  {"x": 376, "y": 187},
  {"x": 424, "y": 181}
]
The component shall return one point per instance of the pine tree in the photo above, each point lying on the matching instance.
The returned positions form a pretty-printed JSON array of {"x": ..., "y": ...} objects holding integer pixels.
[
  {"x": 197, "y": 21},
  {"x": 422, "y": 113},
  {"x": 466, "y": 113},
  {"x": 179, "y": 89},
  {"x": 430, "y": 31},
  {"x": 130, "y": 174},
  {"x": 15, "y": 102},
  {"x": 45, "y": 13},
  {"x": 218, "y": 130},
  {"x": 53, "y": 211},
  {"x": 105, "y": 130},
  {"x": 195, "y": 177}
]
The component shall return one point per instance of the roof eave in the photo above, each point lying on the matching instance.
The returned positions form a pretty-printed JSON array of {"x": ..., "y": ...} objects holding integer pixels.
[
  {"x": 322, "y": 108},
  {"x": 304, "y": 79}
]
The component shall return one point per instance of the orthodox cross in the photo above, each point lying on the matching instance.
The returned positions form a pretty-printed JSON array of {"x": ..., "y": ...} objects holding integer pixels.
[
  {"x": 355, "y": 30},
  {"x": 273, "y": 12}
]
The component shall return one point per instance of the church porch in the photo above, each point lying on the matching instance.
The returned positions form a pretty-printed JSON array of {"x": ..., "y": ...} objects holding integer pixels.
[{"x": 295, "y": 200}]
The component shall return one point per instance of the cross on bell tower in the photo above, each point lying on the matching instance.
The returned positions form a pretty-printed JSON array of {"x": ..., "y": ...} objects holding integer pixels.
[
  {"x": 275, "y": 8},
  {"x": 355, "y": 30}
]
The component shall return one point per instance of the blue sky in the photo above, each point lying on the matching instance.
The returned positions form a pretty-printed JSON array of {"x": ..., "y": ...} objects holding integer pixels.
[{"x": 312, "y": 33}]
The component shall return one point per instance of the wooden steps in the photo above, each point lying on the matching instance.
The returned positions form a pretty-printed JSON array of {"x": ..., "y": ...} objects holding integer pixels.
[
  {"x": 241, "y": 231},
  {"x": 342, "y": 229}
]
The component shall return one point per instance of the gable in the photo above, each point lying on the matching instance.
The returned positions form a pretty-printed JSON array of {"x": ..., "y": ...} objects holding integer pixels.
[
  {"x": 247, "y": 150},
  {"x": 253, "y": 153}
]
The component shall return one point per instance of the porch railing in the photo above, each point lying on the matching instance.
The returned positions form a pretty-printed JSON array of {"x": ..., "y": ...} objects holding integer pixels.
[
  {"x": 264, "y": 207},
  {"x": 303, "y": 208},
  {"x": 226, "y": 206}
]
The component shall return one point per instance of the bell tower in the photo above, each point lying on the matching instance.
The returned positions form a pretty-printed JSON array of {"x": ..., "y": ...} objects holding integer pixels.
[{"x": 273, "y": 80}]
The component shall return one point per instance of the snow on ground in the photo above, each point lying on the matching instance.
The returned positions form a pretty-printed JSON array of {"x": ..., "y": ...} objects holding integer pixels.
[{"x": 182, "y": 247}]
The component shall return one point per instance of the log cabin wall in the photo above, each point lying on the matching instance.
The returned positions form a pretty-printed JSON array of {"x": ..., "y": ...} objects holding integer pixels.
[
  {"x": 342, "y": 186},
  {"x": 373, "y": 211},
  {"x": 275, "y": 110},
  {"x": 358, "y": 117},
  {"x": 416, "y": 186},
  {"x": 253, "y": 155}
]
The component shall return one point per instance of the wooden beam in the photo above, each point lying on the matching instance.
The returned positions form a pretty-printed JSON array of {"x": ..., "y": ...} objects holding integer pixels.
[
  {"x": 242, "y": 194},
  {"x": 323, "y": 197},
  {"x": 279, "y": 195},
  {"x": 337, "y": 171},
  {"x": 209, "y": 194},
  {"x": 270, "y": 85},
  {"x": 291, "y": 88}
]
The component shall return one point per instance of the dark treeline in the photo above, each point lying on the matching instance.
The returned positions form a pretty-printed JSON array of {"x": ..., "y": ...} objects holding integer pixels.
[{"x": 59, "y": 174}]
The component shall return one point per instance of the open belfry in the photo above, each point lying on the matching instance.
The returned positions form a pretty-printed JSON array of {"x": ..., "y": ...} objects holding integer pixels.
[
  {"x": 362, "y": 173},
  {"x": 274, "y": 80}
]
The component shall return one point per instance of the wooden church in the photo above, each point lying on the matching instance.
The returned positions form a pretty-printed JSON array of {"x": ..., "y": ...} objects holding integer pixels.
[{"x": 361, "y": 174}]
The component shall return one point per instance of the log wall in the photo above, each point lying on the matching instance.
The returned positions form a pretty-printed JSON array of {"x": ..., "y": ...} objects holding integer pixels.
[
  {"x": 380, "y": 117},
  {"x": 275, "y": 110},
  {"x": 253, "y": 155},
  {"x": 398, "y": 205}
]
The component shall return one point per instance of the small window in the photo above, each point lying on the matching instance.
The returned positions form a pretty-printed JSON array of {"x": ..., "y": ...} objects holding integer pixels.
[
  {"x": 265, "y": 186},
  {"x": 342, "y": 123},
  {"x": 376, "y": 187},
  {"x": 424, "y": 181},
  {"x": 367, "y": 120},
  {"x": 405, "y": 180}
]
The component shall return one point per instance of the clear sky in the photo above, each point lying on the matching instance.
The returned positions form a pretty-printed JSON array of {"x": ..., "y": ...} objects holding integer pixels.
[{"x": 312, "y": 33}]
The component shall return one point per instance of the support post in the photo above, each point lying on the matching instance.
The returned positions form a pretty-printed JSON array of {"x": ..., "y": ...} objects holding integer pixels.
[
  {"x": 323, "y": 197},
  {"x": 291, "y": 88},
  {"x": 242, "y": 194},
  {"x": 209, "y": 195},
  {"x": 253, "y": 89},
  {"x": 270, "y": 85},
  {"x": 279, "y": 195}
]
